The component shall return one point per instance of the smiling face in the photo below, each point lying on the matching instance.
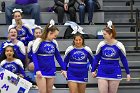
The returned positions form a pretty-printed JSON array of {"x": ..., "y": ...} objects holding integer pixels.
[
  {"x": 78, "y": 41},
  {"x": 9, "y": 52},
  {"x": 12, "y": 34},
  {"x": 52, "y": 35}
]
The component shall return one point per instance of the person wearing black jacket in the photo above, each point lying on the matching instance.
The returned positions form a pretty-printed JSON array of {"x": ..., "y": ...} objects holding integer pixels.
[{"x": 62, "y": 6}]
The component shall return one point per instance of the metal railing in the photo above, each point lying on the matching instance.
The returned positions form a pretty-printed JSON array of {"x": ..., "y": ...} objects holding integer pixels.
[
  {"x": 131, "y": 11},
  {"x": 137, "y": 29},
  {"x": 131, "y": 20}
]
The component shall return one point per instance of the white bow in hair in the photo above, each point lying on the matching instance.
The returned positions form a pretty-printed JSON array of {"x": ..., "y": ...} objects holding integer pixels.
[
  {"x": 36, "y": 26},
  {"x": 76, "y": 28},
  {"x": 109, "y": 24},
  {"x": 7, "y": 44},
  {"x": 52, "y": 23},
  {"x": 17, "y": 10},
  {"x": 10, "y": 27}
]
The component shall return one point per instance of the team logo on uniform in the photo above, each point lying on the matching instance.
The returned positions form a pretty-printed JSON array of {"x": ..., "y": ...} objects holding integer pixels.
[
  {"x": 78, "y": 55},
  {"x": 11, "y": 67},
  {"x": 49, "y": 48},
  {"x": 109, "y": 52}
]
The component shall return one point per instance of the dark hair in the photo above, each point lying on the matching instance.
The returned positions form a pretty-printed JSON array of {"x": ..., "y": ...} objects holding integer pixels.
[
  {"x": 47, "y": 30},
  {"x": 78, "y": 34},
  {"x": 110, "y": 31},
  {"x": 3, "y": 56}
]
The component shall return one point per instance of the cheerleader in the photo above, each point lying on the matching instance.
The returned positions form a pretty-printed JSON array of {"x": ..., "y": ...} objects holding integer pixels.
[
  {"x": 19, "y": 47},
  {"x": 107, "y": 57},
  {"x": 24, "y": 32},
  {"x": 79, "y": 57},
  {"x": 37, "y": 34},
  {"x": 10, "y": 62},
  {"x": 44, "y": 51}
]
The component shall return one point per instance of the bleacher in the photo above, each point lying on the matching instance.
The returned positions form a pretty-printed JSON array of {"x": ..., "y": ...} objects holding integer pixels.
[{"x": 115, "y": 10}]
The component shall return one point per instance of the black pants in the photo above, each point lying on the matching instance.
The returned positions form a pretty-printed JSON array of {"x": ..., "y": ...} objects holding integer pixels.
[{"x": 60, "y": 11}]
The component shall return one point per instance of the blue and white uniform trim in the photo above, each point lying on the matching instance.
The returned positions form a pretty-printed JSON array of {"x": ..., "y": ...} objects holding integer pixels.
[
  {"x": 107, "y": 60},
  {"x": 78, "y": 60},
  {"x": 43, "y": 57}
]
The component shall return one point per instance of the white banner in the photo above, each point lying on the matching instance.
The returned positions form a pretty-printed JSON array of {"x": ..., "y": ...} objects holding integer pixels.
[{"x": 11, "y": 83}]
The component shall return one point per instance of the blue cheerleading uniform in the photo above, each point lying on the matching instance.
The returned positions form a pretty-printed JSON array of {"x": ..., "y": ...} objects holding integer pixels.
[
  {"x": 19, "y": 49},
  {"x": 107, "y": 60},
  {"x": 30, "y": 51},
  {"x": 14, "y": 66},
  {"x": 24, "y": 32},
  {"x": 43, "y": 57},
  {"x": 78, "y": 60}
]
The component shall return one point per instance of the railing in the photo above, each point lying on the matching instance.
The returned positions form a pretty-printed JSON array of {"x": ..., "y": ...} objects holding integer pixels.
[
  {"x": 131, "y": 11},
  {"x": 137, "y": 29},
  {"x": 131, "y": 20}
]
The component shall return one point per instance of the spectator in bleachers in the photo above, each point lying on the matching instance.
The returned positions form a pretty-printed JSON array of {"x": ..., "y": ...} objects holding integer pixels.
[
  {"x": 86, "y": 5},
  {"x": 19, "y": 47},
  {"x": 37, "y": 34},
  {"x": 30, "y": 7},
  {"x": 107, "y": 57},
  {"x": 44, "y": 51},
  {"x": 24, "y": 32},
  {"x": 65, "y": 6},
  {"x": 10, "y": 61},
  {"x": 79, "y": 57}
]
